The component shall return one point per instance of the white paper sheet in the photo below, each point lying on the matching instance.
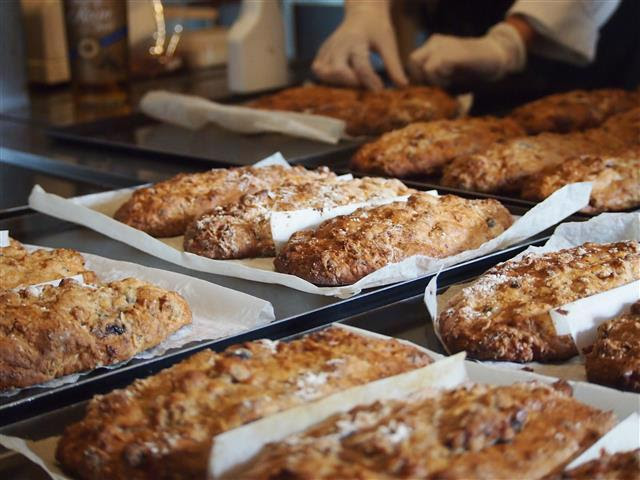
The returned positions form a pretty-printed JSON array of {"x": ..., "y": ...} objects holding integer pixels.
[
  {"x": 622, "y": 404},
  {"x": 605, "y": 228},
  {"x": 581, "y": 318},
  {"x": 193, "y": 112},
  {"x": 217, "y": 311},
  {"x": 623, "y": 437},
  {"x": 96, "y": 212},
  {"x": 4, "y": 238}
]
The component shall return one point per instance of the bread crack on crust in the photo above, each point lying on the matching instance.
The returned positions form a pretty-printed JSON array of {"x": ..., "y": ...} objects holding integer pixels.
[
  {"x": 73, "y": 327},
  {"x": 505, "y": 166},
  {"x": 344, "y": 249},
  {"x": 504, "y": 315},
  {"x": 243, "y": 229},
  {"x": 162, "y": 427},
  {"x": 525, "y": 430},
  {"x": 614, "y": 358},
  {"x": 615, "y": 178},
  {"x": 19, "y": 268},
  {"x": 365, "y": 112},
  {"x": 166, "y": 208},
  {"x": 574, "y": 110},
  {"x": 424, "y": 148},
  {"x": 618, "y": 466}
]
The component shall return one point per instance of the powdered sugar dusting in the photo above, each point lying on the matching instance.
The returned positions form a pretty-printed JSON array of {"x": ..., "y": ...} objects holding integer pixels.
[
  {"x": 308, "y": 384},
  {"x": 271, "y": 345}
]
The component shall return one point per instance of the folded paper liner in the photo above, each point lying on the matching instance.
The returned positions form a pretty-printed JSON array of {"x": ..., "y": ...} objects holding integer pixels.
[
  {"x": 605, "y": 228},
  {"x": 623, "y": 437},
  {"x": 232, "y": 313},
  {"x": 446, "y": 375},
  {"x": 581, "y": 318},
  {"x": 4, "y": 238},
  {"x": 96, "y": 212},
  {"x": 193, "y": 112}
]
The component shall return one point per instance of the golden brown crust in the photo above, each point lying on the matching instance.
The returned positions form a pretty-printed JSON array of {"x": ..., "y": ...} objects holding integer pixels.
[
  {"x": 479, "y": 431},
  {"x": 423, "y": 148},
  {"x": 615, "y": 178},
  {"x": 574, "y": 110},
  {"x": 20, "y": 268},
  {"x": 162, "y": 426},
  {"x": 614, "y": 358},
  {"x": 166, "y": 208},
  {"x": 344, "y": 249},
  {"x": 506, "y": 165},
  {"x": 618, "y": 466},
  {"x": 365, "y": 112},
  {"x": 504, "y": 314},
  {"x": 74, "y": 327},
  {"x": 243, "y": 229}
]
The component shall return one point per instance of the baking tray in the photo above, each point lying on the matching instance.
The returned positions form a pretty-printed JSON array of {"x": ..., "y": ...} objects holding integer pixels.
[
  {"x": 31, "y": 402},
  {"x": 211, "y": 144}
]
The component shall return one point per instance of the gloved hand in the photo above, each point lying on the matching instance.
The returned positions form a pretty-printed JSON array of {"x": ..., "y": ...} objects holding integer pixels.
[
  {"x": 445, "y": 59},
  {"x": 344, "y": 59}
]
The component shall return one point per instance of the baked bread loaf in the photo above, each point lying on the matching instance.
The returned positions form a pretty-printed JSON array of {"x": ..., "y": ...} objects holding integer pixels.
[
  {"x": 615, "y": 178},
  {"x": 504, "y": 314},
  {"x": 344, "y": 249},
  {"x": 614, "y": 358},
  {"x": 19, "y": 268},
  {"x": 73, "y": 327},
  {"x": 423, "y": 148},
  {"x": 525, "y": 430},
  {"x": 504, "y": 166},
  {"x": 574, "y": 110},
  {"x": 365, "y": 112},
  {"x": 243, "y": 229},
  {"x": 162, "y": 426},
  {"x": 166, "y": 208},
  {"x": 617, "y": 466}
]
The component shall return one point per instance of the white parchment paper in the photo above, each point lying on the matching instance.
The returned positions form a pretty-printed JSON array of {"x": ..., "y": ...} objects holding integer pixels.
[
  {"x": 605, "y": 228},
  {"x": 193, "y": 112},
  {"x": 4, "y": 238},
  {"x": 96, "y": 212},
  {"x": 217, "y": 311},
  {"x": 581, "y": 318},
  {"x": 623, "y": 437},
  {"x": 622, "y": 404}
]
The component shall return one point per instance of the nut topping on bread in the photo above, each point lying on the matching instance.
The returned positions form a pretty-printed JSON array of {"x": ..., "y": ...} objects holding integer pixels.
[
  {"x": 524, "y": 430},
  {"x": 243, "y": 229},
  {"x": 162, "y": 426},
  {"x": 344, "y": 249},
  {"x": 504, "y": 314},
  {"x": 365, "y": 112},
  {"x": 166, "y": 208},
  {"x": 614, "y": 358},
  {"x": 21, "y": 268},
  {"x": 73, "y": 327}
]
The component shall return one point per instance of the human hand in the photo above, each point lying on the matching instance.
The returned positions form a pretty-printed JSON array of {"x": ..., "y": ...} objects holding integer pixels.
[
  {"x": 445, "y": 59},
  {"x": 344, "y": 59}
]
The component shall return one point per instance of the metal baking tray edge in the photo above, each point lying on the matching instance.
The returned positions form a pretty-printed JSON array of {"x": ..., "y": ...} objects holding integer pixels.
[{"x": 103, "y": 380}]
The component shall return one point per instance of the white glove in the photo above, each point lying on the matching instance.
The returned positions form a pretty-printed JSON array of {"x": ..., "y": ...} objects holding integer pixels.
[
  {"x": 343, "y": 59},
  {"x": 445, "y": 59}
]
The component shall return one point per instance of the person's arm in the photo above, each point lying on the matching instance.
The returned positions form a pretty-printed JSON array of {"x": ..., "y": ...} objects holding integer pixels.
[
  {"x": 344, "y": 58},
  {"x": 565, "y": 30}
]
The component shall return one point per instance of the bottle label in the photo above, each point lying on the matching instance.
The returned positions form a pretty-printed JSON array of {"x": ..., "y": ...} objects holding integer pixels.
[{"x": 97, "y": 35}]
